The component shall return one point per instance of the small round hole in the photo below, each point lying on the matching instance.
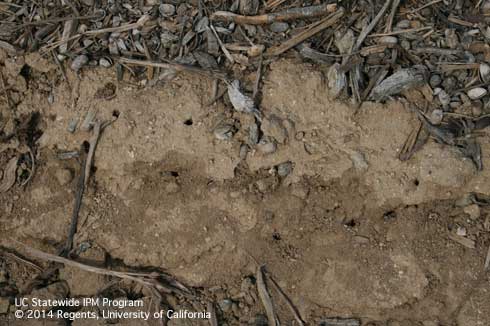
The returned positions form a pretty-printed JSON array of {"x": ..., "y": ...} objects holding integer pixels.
[
  {"x": 350, "y": 223},
  {"x": 188, "y": 122},
  {"x": 416, "y": 182},
  {"x": 116, "y": 113},
  {"x": 86, "y": 146}
]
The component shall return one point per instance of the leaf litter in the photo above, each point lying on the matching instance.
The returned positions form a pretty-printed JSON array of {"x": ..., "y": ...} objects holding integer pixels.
[{"x": 374, "y": 51}]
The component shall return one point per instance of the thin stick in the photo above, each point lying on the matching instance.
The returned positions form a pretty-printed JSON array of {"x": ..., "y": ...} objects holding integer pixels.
[
  {"x": 257, "y": 81},
  {"x": 265, "y": 297},
  {"x": 389, "y": 22},
  {"x": 403, "y": 31},
  {"x": 140, "y": 23},
  {"x": 487, "y": 260},
  {"x": 56, "y": 20},
  {"x": 272, "y": 4},
  {"x": 33, "y": 167},
  {"x": 290, "y": 305},
  {"x": 286, "y": 15},
  {"x": 222, "y": 46},
  {"x": 76, "y": 209},
  {"x": 425, "y": 6},
  {"x": 213, "y": 320},
  {"x": 366, "y": 31},
  {"x": 175, "y": 66},
  {"x": 316, "y": 28},
  {"x": 22, "y": 260},
  {"x": 146, "y": 279},
  {"x": 98, "y": 127}
]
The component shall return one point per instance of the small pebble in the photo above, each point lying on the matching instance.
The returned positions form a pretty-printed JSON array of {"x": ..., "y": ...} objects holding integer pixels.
[
  {"x": 243, "y": 152},
  {"x": 473, "y": 211},
  {"x": 267, "y": 145},
  {"x": 450, "y": 83},
  {"x": 436, "y": 116},
  {"x": 87, "y": 42},
  {"x": 461, "y": 231},
  {"x": 359, "y": 161},
  {"x": 79, "y": 62},
  {"x": 72, "y": 125},
  {"x": 255, "y": 50},
  {"x": 253, "y": 134},
  {"x": 279, "y": 27},
  {"x": 166, "y": 9},
  {"x": 224, "y": 131},
  {"x": 103, "y": 62},
  {"x": 284, "y": 169},
  {"x": 64, "y": 176},
  {"x": 444, "y": 98},
  {"x": 403, "y": 24},
  {"x": 435, "y": 80},
  {"x": 388, "y": 40},
  {"x": 225, "y": 305},
  {"x": 405, "y": 44},
  {"x": 477, "y": 93},
  {"x": 451, "y": 38}
]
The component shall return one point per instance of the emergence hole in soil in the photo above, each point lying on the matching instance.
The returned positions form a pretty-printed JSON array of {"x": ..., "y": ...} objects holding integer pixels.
[
  {"x": 86, "y": 146},
  {"x": 188, "y": 122},
  {"x": 276, "y": 236},
  {"x": 174, "y": 174},
  {"x": 416, "y": 182},
  {"x": 30, "y": 131},
  {"x": 389, "y": 215},
  {"x": 116, "y": 113},
  {"x": 25, "y": 71},
  {"x": 350, "y": 223}
]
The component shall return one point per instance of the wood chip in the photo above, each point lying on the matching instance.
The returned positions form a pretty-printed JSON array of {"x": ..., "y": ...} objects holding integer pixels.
[
  {"x": 9, "y": 175},
  {"x": 468, "y": 243},
  {"x": 487, "y": 259}
]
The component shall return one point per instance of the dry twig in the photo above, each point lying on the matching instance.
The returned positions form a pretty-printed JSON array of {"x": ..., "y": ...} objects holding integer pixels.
[
  {"x": 265, "y": 297},
  {"x": 159, "y": 282},
  {"x": 316, "y": 28},
  {"x": 286, "y": 15}
]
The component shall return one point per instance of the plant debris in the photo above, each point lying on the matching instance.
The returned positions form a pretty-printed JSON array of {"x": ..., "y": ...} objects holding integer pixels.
[{"x": 9, "y": 175}]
